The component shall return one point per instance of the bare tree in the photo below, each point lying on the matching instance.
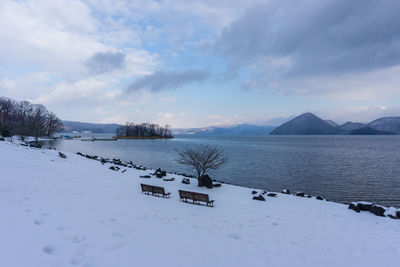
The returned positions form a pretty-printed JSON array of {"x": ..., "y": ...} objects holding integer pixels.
[
  {"x": 202, "y": 158},
  {"x": 23, "y": 118}
]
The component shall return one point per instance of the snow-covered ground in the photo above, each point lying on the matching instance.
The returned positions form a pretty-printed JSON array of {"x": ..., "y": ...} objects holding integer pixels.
[{"x": 77, "y": 212}]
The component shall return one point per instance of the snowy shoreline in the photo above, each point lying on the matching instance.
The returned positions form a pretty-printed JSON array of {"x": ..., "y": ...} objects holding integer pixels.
[{"x": 75, "y": 211}]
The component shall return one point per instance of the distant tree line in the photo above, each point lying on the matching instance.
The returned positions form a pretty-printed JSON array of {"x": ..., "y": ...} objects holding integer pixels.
[
  {"x": 26, "y": 119},
  {"x": 131, "y": 129}
]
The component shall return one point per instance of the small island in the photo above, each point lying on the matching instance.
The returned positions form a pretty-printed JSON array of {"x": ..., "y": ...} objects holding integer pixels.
[{"x": 143, "y": 131}]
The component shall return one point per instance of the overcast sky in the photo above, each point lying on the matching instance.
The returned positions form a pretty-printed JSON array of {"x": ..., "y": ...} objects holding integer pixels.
[{"x": 200, "y": 63}]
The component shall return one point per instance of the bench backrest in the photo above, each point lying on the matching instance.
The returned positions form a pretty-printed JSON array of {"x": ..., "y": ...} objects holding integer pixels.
[
  {"x": 153, "y": 189},
  {"x": 201, "y": 197},
  {"x": 158, "y": 190},
  {"x": 146, "y": 187},
  {"x": 194, "y": 196},
  {"x": 185, "y": 194}
]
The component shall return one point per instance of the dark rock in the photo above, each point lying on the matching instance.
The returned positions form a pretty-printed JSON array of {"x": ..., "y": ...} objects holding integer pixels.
[
  {"x": 205, "y": 180},
  {"x": 145, "y": 176},
  {"x": 308, "y": 196},
  {"x": 377, "y": 210},
  {"x": 254, "y": 192},
  {"x": 319, "y": 198},
  {"x": 354, "y": 206},
  {"x": 271, "y": 194},
  {"x": 103, "y": 161},
  {"x": 169, "y": 179},
  {"x": 159, "y": 175},
  {"x": 185, "y": 181},
  {"x": 79, "y": 153},
  {"x": 62, "y": 155},
  {"x": 157, "y": 171},
  {"x": 299, "y": 194},
  {"x": 260, "y": 197},
  {"x": 365, "y": 206},
  {"x": 216, "y": 185},
  {"x": 286, "y": 191},
  {"x": 23, "y": 144},
  {"x": 163, "y": 173},
  {"x": 112, "y": 168},
  {"x": 393, "y": 217},
  {"x": 123, "y": 171}
]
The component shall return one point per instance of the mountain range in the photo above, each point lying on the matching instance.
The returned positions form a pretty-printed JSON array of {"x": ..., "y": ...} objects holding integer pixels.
[{"x": 309, "y": 123}]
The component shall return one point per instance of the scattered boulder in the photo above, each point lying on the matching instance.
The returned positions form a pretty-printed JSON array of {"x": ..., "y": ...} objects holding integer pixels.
[
  {"x": 319, "y": 198},
  {"x": 299, "y": 194},
  {"x": 364, "y": 206},
  {"x": 185, "y": 181},
  {"x": 259, "y": 197},
  {"x": 264, "y": 192},
  {"x": 308, "y": 196},
  {"x": 169, "y": 179},
  {"x": 163, "y": 173},
  {"x": 272, "y": 195},
  {"x": 205, "y": 180},
  {"x": 62, "y": 155},
  {"x": 145, "y": 176},
  {"x": 112, "y": 168},
  {"x": 123, "y": 171},
  {"x": 216, "y": 185},
  {"x": 392, "y": 213},
  {"x": 35, "y": 144},
  {"x": 377, "y": 210},
  {"x": 254, "y": 192},
  {"x": 286, "y": 191},
  {"x": 79, "y": 153},
  {"x": 159, "y": 175},
  {"x": 354, "y": 206},
  {"x": 157, "y": 171}
]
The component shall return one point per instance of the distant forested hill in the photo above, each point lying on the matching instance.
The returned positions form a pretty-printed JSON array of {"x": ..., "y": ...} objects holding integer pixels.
[{"x": 70, "y": 126}]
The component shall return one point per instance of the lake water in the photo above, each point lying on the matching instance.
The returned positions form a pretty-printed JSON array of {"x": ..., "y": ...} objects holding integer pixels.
[{"x": 340, "y": 168}]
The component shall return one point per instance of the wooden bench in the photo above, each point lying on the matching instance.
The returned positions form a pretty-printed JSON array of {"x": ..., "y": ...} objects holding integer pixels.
[
  {"x": 196, "y": 198},
  {"x": 154, "y": 190}
]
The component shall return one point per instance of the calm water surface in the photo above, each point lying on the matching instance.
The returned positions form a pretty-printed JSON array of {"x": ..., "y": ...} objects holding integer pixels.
[{"x": 340, "y": 168}]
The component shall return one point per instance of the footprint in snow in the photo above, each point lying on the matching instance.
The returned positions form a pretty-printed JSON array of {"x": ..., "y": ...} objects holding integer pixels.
[
  {"x": 75, "y": 238},
  {"x": 63, "y": 228},
  {"x": 38, "y": 222},
  {"x": 49, "y": 250},
  {"x": 117, "y": 235},
  {"x": 114, "y": 247},
  {"x": 234, "y": 236}
]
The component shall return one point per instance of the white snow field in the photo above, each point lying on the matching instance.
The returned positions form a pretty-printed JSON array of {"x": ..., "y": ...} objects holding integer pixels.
[{"x": 76, "y": 212}]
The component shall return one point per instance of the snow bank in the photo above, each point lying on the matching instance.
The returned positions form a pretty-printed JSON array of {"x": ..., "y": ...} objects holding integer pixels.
[{"x": 77, "y": 212}]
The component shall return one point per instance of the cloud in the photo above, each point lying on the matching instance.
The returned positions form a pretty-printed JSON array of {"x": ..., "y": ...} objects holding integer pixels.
[
  {"x": 165, "y": 80},
  {"x": 105, "y": 62},
  {"x": 295, "y": 46},
  {"x": 316, "y": 37}
]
